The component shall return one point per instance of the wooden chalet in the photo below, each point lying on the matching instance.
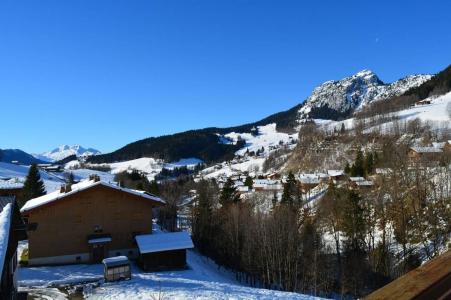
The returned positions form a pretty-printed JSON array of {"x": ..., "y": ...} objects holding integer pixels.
[
  {"x": 308, "y": 182},
  {"x": 424, "y": 153},
  {"x": 336, "y": 175},
  {"x": 12, "y": 230},
  {"x": 432, "y": 280},
  {"x": 163, "y": 251},
  {"x": 87, "y": 222},
  {"x": 10, "y": 187}
]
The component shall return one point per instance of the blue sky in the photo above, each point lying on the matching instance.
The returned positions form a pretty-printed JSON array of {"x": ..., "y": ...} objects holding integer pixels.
[{"x": 106, "y": 73}]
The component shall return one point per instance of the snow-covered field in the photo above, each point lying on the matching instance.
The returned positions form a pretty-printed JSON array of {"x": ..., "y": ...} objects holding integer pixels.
[
  {"x": 203, "y": 280},
  {"x": 52, "y": 181}
]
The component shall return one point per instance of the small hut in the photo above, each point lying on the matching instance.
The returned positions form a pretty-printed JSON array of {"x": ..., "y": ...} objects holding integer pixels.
[
  {"x": 117, "y": 268},
  {"x": 163, "y": 251}
]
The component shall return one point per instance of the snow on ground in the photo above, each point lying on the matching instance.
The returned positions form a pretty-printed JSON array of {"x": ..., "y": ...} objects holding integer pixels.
[
  {"x": 437, "y": 114},
  {"x": 81, "y": 174},
  {"x": 52, "y": 181},
  {"x": 203, "y": 280},
  {"x": 252, "y": 164},
  {"x": 150, "y": 166},
  {"x": 144, "y": 164},
  {"x": 267, "y": 137},
  {"x": 184, "y": 162}
]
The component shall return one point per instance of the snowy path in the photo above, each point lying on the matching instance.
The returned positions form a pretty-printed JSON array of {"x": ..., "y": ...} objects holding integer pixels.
[{"x": 202, "y": 281}]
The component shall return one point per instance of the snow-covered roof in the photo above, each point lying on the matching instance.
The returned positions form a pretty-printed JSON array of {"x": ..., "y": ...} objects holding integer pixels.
[
  {"x": 438, "y": 145},
  {"x": 334, "y": 173},
  {"x": 5, "y": 223},
  {"x": 383, "y": 171},
  {"x": 364, "y": 183},
  {"x": 81, "y": 186},
  {"x": 10, "y": 184},
  {"x": 243, "y": 188},
  {"x": 355, "y": 179},
  {"x": 99, "y": 240},
  {"x": 115, "y": 261},
  {"x": 309, "y": 178},
  {"x": 426, "y": 149},
  {"x": 149, "y": 243}
]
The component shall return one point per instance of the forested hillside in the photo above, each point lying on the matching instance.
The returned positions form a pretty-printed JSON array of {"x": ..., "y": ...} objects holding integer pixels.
[{"x": 203, "y": 143}]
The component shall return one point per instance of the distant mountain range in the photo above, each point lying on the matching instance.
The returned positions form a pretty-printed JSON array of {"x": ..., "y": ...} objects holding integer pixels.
[
  {"x": 333, "y": 100},
  {"x": 65, "y": 151}
]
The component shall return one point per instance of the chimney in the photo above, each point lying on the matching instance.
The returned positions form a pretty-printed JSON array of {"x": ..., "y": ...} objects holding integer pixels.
[
  {"x": 65, "y": 188},
  {"x": 94, "y": 177}
]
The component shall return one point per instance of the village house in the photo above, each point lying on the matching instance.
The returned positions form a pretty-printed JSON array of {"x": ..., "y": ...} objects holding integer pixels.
[
  {"x": 424, "y": 153},
  {"x": 87, "y": 222},
  {"x": 12, "y": 230},
  {"x": 336, "y": 175},
  {"x": 11, "y": 187},
  {"x": 308, "y": 182},
  {"x": 360, "y": 183}
]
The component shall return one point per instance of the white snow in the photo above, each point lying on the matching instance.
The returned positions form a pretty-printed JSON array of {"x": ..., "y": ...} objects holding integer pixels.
[
  {"x": 64, "y": 151},
  {"x": 5, "y": 223},
  {"x": 81, "y": 186},
  {"x": 203, "y": 280},
  {"x": 13, "y": 183},
  {"x": 184, "y": 162},
  {"x": 436, "y": 114},
  {"x": 19, "y": 173},
  {"x": 115, "y": 259},
  {"x": 149, "y": 243},
  {"x": 99, "y": 240},
  {"x": 268, "y": 137}
]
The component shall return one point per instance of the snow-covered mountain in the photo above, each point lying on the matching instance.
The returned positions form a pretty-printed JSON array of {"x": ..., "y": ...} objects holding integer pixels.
[
  {"x": 64, "y": 151},
  {"x": 338, "y": 98}
]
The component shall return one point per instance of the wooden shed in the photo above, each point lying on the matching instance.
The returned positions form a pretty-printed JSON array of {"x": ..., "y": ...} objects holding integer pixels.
[{"x": 163, "y": 251}]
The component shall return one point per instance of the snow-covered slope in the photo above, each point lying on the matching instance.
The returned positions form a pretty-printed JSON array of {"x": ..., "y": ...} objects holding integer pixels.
[
  {"x": 437, "y": 114},
  {"x": 338, "y": 98},
  {"x": 267, "y": 137},
  {"x": 64, "y": 151},
  {"x": 52, "y": 181}
]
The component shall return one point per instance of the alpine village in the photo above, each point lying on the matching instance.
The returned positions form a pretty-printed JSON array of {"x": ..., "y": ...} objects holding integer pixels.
[{"x": 346, "y": 195}]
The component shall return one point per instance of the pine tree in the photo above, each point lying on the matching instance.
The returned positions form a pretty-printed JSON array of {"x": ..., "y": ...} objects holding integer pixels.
[
  {"x": 33, "y": 186},
  {"x": 289, "y": 190},
  {"x": 343, "y": 129},
  {"x": 274, "y": 200},
  {"x": 369, "y": 163},
  {"x": 249, "y": 182},
  {"x": 358, "y": 168},
  {"x": 229, "y": 193},
  {"x": 347, "y": 168},
  {"x": 153, "y": 188}
]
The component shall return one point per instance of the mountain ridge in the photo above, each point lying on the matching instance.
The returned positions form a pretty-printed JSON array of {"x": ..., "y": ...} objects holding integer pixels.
[
  {"x": 351, "y": 92},
  {"x": 64, "y": 151}
]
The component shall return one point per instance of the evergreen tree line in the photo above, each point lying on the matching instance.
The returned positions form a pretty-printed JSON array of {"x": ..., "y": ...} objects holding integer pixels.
[{"x": 363, "y": 165}]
